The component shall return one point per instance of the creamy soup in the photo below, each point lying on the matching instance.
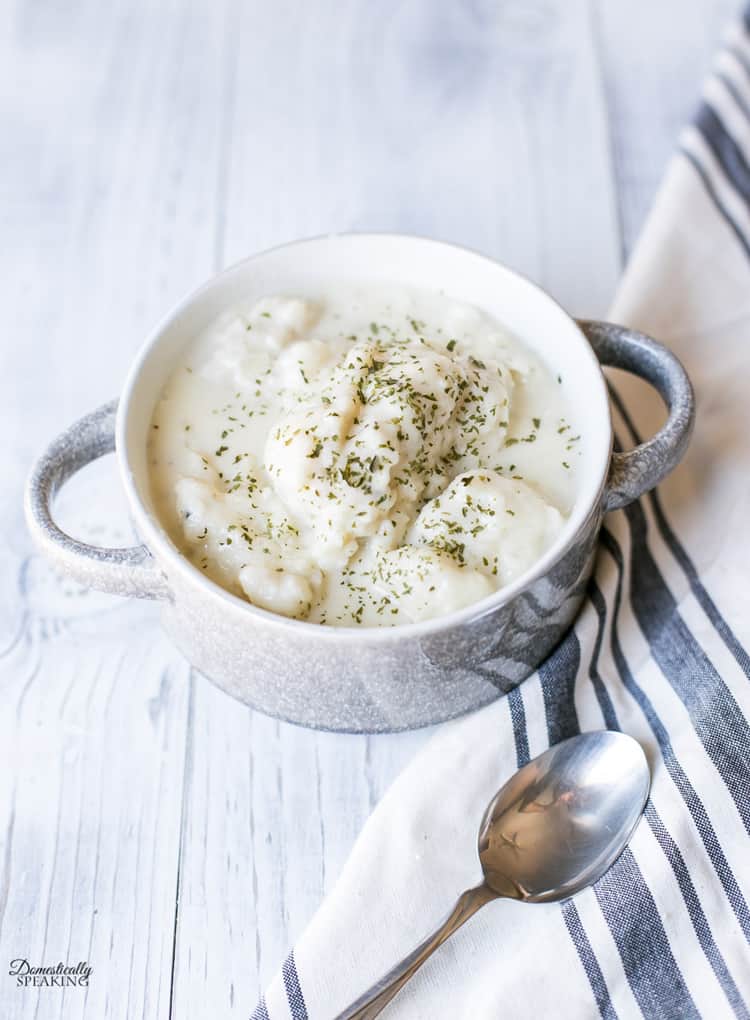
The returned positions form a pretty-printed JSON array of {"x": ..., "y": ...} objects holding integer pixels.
[{"x": 373, "y": 457}]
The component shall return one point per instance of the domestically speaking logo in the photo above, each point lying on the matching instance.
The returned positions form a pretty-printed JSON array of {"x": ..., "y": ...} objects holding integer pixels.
[{"x": 56, "y": 975}]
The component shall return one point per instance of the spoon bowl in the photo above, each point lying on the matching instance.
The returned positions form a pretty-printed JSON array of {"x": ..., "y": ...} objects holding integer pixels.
[
  {"x": 563, "y": 819},
  {"x": 553, "y": 829}
]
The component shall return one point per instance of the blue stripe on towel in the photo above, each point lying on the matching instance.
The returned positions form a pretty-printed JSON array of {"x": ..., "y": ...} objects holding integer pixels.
[
  {"x": 518, "y": 721},
  {"x": 672, "y": 765},
  {"x": 601, "y": 692},
  {"x": 730, "y": 86},
  {"x": 261, "y": 1010},
  {"x": 724, "y": 148},
  {"x": 557, "y": 675},
  {"x": 571, "y": 917},
  {"x": 697, "y": 916},
  {"x": 662, "y": 835},
  {"x": 294, "y": 995},
  {"x": 653, "y": 974},
  {"x": 714, "y": 713},
  {"x": 680, "y": 553},
  {"x": 588, "y": 960},
  {"x": 728, "y": 154},
  {"x": 719, "y": 205},
  {"x": 705, "y": 601}
]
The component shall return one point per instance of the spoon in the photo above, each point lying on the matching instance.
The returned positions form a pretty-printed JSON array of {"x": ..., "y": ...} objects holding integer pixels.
[{"x": 555, "y": 827}]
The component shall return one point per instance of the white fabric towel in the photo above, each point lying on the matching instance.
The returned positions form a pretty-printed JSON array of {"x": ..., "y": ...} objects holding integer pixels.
[{"x": 658, "y": 651}]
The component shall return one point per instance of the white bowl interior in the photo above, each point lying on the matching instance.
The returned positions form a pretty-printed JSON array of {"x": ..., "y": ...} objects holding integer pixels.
[{"x": 305, "y": 268}]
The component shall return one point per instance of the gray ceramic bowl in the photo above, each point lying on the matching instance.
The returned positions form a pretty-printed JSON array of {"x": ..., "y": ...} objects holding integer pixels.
[{"x": 374, "y": 679}]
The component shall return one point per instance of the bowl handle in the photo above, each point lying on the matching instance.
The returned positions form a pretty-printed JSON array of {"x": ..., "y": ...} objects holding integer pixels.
[
  {"x": 636, "y": 471},
  {"x": 129, "y": 571}
]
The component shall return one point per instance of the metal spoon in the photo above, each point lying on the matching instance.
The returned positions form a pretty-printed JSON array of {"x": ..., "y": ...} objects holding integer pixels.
[{"x": 555, "y": 827}]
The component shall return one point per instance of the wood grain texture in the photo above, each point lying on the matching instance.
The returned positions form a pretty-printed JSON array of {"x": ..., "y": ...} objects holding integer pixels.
[
  {"x": 654, "y": 57},
  {"x": 149, "y": 824},
  {"x": 106, "y": 220}
]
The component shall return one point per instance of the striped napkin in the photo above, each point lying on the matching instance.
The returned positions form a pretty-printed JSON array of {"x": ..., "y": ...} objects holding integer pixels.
[{"x": 656, "y": 652}]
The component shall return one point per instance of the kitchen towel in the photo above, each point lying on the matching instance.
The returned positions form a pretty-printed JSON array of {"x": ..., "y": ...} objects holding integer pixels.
[{"x": 659, "y": 651}]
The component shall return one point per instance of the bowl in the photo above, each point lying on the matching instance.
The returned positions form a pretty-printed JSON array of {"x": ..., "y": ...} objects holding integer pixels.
[{"x": 370, "y": 679}]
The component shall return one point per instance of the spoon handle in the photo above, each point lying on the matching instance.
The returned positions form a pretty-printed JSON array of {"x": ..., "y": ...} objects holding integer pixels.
[{"x": 380, "y": 994}]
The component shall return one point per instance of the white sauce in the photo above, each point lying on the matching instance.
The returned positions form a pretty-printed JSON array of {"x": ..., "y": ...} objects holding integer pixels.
[{"x": 375, "y": 457}]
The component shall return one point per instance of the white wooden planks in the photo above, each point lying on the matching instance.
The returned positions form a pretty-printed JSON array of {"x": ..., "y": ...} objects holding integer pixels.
[
  {"x": 106, "y": 219},
  {"x": 654, "y": 57}
]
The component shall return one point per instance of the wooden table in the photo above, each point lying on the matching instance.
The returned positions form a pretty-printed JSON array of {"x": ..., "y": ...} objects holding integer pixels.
[{"x": 175, "y": 840}]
